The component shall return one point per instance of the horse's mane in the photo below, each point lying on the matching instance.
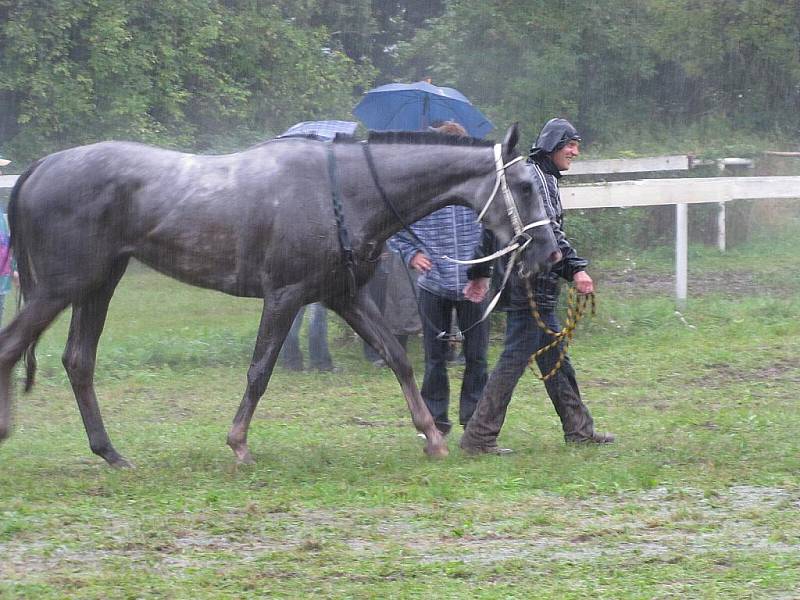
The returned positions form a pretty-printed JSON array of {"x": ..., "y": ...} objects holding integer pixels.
[{"x": 431, "y": 138}]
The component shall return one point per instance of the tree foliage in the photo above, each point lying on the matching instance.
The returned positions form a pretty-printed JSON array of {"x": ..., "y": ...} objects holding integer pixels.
[
  {"x": 213, "y": 75},
  {"x": 189, "y": 73},
  {"x": 621, "y": 68}
]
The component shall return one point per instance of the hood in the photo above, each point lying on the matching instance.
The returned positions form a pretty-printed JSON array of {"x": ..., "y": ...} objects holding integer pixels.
[{"x": 553, "y": 136}]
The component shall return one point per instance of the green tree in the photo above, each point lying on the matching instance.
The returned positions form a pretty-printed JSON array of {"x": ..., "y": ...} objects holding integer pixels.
[
  {"x": 621, "y": 69},
  {"x": 193, "y": 74}
]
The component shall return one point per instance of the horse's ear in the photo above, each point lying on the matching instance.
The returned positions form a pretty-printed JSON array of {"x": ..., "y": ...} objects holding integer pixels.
[{"x": 511, "y": 139}]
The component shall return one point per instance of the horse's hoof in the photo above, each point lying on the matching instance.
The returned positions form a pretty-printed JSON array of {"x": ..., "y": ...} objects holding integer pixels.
[
  {"x": 243, "y": 457},
  {"x": 438, "y": 451},
  {"x": 121, "y": 463}
]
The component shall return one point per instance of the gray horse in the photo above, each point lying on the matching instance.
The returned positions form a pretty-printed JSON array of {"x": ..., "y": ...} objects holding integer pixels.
[{"x": 259, "y": 223}]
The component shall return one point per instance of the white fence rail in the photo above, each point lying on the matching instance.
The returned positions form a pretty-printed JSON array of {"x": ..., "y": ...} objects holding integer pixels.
[
  {"x": 681, "y": 193},
  {"x": 650, "y": 164},
  {"x": 652, "y": 192},
  {"x": 7, "y": 181}
]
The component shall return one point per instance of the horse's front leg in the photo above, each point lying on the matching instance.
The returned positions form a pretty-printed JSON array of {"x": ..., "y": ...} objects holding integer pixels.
[
  {"x": 277, "y": 315},
  {"x": 365, "y": 318}
]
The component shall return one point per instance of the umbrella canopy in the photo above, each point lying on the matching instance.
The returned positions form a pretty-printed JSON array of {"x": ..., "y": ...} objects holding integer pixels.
[
  {"x": 414, "y": 106},
  {"x": 324, "y": 130}
]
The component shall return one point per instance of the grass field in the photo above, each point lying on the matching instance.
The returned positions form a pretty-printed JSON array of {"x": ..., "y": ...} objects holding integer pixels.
[{"x": 698, "y": 498}]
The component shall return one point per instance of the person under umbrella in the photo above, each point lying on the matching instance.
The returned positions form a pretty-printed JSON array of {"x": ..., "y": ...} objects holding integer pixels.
[{"x": 417, "y": 106}]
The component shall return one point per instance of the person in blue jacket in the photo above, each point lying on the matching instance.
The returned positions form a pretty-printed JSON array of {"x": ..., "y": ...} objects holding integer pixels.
[
  {"x": 557, "y": 144},
  {"x": 451, "y": 231},
  {"x": 6, "y": 263}
]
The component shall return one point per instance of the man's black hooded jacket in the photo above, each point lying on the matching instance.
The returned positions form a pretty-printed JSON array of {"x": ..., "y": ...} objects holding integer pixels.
[{"x": 555, "y": 134}]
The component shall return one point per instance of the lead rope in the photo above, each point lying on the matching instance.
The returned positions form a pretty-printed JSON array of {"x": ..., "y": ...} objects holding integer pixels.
[{"x": 576, "y": 309}]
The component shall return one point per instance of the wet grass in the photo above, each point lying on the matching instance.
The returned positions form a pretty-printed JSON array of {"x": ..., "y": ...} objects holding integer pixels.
[{"x": 697, "y": 499}]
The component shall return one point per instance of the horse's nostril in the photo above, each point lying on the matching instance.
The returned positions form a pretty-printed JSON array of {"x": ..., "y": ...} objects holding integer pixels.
[{"x": 554, "y": 257}]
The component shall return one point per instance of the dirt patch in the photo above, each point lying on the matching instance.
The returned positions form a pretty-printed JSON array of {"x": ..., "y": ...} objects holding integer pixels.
[
  {"x": 719, "y": 375},
  {"x": 632, "y": 283},
  {"x": 660, "y": 525}
]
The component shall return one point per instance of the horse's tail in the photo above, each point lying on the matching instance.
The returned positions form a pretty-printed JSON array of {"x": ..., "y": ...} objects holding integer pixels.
[{"x": 26, "y": 277}]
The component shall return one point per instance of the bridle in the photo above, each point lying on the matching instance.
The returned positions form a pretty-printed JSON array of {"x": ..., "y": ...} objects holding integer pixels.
[
  {"x": 521, "y": 238},
  {"x": 518, "y": 243}
]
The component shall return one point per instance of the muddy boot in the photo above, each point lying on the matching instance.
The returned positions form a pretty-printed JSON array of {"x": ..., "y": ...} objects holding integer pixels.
[
  {"x": 482, "y": 429},
  {"x": 479, "y": 450},
  {"x": 576, "y": 420},
  {"x": 594, "y": 438}
]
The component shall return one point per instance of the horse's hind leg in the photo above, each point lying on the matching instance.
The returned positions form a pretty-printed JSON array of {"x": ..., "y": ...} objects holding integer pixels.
[
  {"x": 277, "y": 315},
  {"x": 88, "y": 319},
  {"x": 24, "y": 330},
  {"x": 363, "y": 316}
]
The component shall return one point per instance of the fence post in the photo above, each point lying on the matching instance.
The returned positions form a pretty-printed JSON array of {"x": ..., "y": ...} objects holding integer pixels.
[
  {"x": 721, "y": 227},
  {"x": 681, "y": 254}
]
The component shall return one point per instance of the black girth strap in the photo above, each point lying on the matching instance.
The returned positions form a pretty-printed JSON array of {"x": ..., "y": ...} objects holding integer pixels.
[
  {"x": 385, "y": 198},
  {"x": 338, "y": 212}
]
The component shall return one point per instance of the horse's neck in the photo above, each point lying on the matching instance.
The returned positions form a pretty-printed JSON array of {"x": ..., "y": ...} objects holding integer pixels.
[{"x": 415, "y": 181}]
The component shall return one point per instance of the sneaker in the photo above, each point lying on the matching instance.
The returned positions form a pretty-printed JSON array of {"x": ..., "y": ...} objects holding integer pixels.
[
  {"x": 595, "y": 438},
  {"x": 444, "y": 426},
  {"x": 478, "y": 450},
  {"x": 327, "y": 369}
]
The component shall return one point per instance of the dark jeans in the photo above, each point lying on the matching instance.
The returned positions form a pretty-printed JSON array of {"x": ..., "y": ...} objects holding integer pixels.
[
  {"x": 523, "y": 338},
  {"x": 319, "y": 356},
  {"x": 436, "y": 312}
]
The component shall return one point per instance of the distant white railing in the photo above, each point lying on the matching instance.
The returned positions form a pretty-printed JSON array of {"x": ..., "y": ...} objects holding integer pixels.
[
  {"x": 650, "y": 164},
  {"x": 7, "y": 181},
  {"x": 680, "y": 192},
  {"x": 654, "y": 192}
]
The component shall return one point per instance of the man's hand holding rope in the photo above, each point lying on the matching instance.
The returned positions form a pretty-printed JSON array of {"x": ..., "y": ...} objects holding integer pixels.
[{"x": 583, "y": 283}]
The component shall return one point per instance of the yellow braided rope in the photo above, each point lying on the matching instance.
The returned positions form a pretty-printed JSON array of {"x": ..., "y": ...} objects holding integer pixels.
[{"x": 576, "y": 308}]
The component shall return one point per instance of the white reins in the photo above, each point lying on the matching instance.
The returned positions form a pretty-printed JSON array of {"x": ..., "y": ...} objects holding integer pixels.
[
  {"x": 521, "y": 237},
  {"x": 511, "y": 209}
]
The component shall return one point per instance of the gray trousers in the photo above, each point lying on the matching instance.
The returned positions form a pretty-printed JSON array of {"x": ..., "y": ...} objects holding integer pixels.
[{"x": 523, "y": 338}]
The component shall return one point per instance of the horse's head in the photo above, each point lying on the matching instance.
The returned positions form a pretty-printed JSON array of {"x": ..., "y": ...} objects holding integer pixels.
[{"x": 515, "y": 213}]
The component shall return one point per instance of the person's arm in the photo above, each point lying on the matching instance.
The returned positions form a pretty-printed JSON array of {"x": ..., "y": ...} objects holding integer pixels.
[
  {"x": 476, "y": 289},
  {"x": 410, "y": 250},
  {"x": 487, "y": 246},
  {"x": 570, "y": 263},
  {"x": 583, "y": 283},
  {"x": 403, "y": 244}
]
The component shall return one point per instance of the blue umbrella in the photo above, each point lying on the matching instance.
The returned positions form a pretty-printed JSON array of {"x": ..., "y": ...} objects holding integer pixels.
[{"x": 414, "y": 106}]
